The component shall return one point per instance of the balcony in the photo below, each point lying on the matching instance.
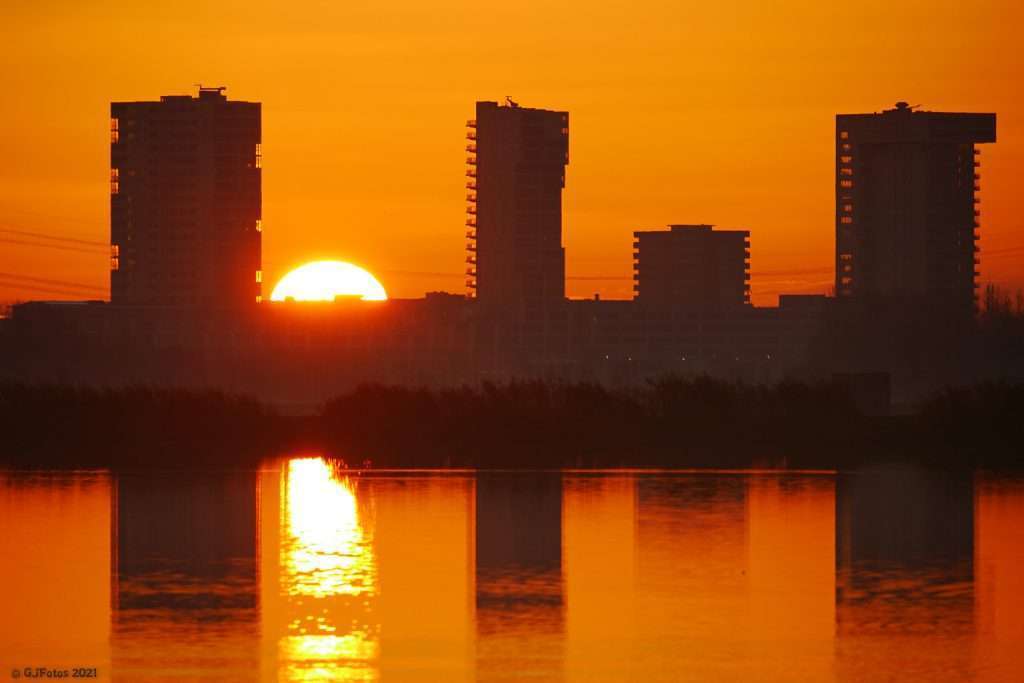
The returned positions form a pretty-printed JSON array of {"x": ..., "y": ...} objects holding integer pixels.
[
  {"x": 471, "y": 135},
  {"x": 471, "y": 283},
  {"x": 471, "y": 161},
  {"x": 471, "y": 210},
  {"x": 471, "y": 198},
  {"x": 471, "y": 234},
  {"x": 471, "y": 260},
  {"x": 471, "y": 246},
  {"x": 471, "y": 149},
  {"x": 471, "y": 185},
  {"x": 977, "y": 187},
  {"x": 471, "y": 123},
  {"x": 471, "y": 271},
  {"x": 471, "y": 173}
]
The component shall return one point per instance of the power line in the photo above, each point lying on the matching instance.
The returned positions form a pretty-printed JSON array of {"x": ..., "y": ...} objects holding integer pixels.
[
  {"x": 47, "y": 281},
  {"x": 56, "y": 238},
  {"x": 62, "y": 247},
  {"x": 48, "y": 290}
]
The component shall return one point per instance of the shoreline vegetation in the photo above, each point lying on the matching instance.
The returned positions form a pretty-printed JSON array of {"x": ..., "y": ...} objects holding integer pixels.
[{"x": 671, "y": 422}]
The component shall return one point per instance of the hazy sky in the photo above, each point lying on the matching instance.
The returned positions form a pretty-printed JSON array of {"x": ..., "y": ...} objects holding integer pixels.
[{"x": 718, "y": 112}]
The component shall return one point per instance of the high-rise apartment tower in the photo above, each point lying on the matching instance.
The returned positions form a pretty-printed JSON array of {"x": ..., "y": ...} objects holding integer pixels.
[
  {"x": 907, "y": 206},
  {"x": 517, "y": 158},
  {"x": 185, "y": 205}
]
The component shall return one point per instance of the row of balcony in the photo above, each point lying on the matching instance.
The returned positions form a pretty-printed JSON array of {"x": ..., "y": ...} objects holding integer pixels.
[{"x": 471, "y": 210}]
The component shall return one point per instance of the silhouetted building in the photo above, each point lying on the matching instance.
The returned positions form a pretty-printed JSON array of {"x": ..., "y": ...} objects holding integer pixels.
[
  {"x": 907, "y": 214},
  {"x": 516, "y": 175},
  {"x": 185, "y": 203},
  {"x": 692, "y": 267}
]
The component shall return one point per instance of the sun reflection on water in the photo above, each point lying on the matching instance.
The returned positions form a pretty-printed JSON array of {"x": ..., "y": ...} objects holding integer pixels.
[{"x": 329, "y": 575}]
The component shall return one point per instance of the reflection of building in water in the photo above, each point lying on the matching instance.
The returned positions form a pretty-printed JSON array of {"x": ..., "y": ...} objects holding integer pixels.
[
  {"x": 184, "y": 556},
  {"x": 185, "y": 541},
  {"x": 904, "y": 567},
  {"x": 318, "y": 575},
  {"x": 519, "y": 591}
]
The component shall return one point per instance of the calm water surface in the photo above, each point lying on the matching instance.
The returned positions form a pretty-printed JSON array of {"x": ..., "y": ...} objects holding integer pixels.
[{"x": 304, "y": 572}]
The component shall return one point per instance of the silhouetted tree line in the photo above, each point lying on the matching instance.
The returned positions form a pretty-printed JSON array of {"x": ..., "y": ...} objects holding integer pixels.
[
  {"x": 670, "y": 422},
  {"x": 43, "y": 425},
  {"x": 673, "y": 422}
]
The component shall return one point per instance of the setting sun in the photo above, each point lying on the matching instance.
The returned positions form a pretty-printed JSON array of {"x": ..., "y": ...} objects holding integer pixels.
[{"x": 327, "y": 280}]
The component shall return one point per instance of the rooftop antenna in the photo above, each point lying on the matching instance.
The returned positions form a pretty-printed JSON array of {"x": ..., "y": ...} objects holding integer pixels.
[{"x": 509, "y": 102}]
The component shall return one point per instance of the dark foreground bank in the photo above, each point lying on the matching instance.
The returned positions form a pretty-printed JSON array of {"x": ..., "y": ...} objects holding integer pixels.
[{"x": 674, "y": 422}]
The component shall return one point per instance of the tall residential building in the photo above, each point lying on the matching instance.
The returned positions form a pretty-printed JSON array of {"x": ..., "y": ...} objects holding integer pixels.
[
  {"x": 907, "y": 208},
  {"x": 692, "y": 267},
  {"x": 185, "y": 205},
  {"x": 517, "y": 159}
]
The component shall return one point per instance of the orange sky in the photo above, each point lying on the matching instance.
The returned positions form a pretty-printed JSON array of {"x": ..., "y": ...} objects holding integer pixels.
[{"x": 718, "y": 112}]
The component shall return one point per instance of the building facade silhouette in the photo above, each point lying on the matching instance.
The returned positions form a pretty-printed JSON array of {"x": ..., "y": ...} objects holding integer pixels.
[
  {"x": 517, "y": 159},
  {"x": 692, "y": 267},
  {"x": 907, "y": 208},
  {"x": 185, "y": 201}
]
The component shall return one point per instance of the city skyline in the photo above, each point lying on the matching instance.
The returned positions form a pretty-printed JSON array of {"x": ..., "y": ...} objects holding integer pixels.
[{"x": 656, "y": 140}]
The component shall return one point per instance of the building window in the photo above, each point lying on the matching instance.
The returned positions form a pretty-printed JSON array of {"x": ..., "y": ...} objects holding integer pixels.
[
  {"x": 845, "y": 183},
  {"x": 844, "y": 135},
  {"x": 115, "y": 263},
  {"x": 846, "y": 171},
  {"x": 848, "y": 208},
  {"x": 115, "y": 185},
  {"x": 115, "y": 250},
  {"x": 259, "y": 225},
  {"x": 846, "y": 220},
  {"x": 114, "y": 130},
  {"x": 846, "y": 147},
  {"x": 259, "y": 276},
  {"x": 259, "y": 298},
  {"x": 259, "y": 155},
  {"x": 846, "y": 158},
  {"x": 846, "y": 257}
]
